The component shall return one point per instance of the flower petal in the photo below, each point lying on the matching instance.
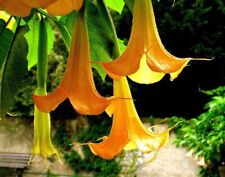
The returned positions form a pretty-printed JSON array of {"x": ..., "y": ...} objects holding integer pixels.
[
  {"x": 118, "y": 138},
  {"x": 144, "y": 139},
  {"x": 158, "y": 58},
  {"x": 63, "y": 7},
  {"x": 37, "y": 3},
  {"x": 128, "y": 62},
  {"x": 15, "y": 8},
  {"x": 144, "y": 75}
]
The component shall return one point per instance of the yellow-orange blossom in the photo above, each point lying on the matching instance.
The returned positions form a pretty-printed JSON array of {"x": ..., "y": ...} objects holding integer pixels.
[
  {"x": 127, "y": 130},
  {"x": 145, "y": 59},
  {"x": 54, "y": 7},
  {"x": 77, "y": 83}
]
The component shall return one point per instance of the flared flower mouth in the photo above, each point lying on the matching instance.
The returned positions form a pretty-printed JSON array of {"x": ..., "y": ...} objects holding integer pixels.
[
  {"x": 127, "y": 131},
  {"x": 77, "y": 84},
  {"x": 145, "y": 44}
]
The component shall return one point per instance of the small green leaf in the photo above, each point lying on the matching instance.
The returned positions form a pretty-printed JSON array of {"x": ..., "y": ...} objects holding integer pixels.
[
  {"x": 69, "y": 21},
  {"x": 64, "y": 32},
  {"x": 13, "y": 70},
  {"x": 115, "y": 5},
  {"x": 32, "y": 40}
]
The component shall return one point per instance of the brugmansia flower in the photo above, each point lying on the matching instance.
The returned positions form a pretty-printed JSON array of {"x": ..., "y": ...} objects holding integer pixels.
[
  {"x": 77, "y": 84},
  {"x": 15, "y": 8},
  {"x": 145, "y": 47},
  {"x": 127, "y": 131},
  {"x": 63, "y": 7}
]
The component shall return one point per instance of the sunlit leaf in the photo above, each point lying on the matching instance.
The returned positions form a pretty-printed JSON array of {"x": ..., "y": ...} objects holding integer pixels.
[
  {"x": 115, "y": 5},
  {"x": 12, "y": 70},
  {"x": 32, "y": 39}
]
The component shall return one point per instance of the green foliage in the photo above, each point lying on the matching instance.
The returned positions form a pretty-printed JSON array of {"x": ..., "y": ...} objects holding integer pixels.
[
  {"x": 13, "y": 69},
  {"x": 204, "y": 135},
  {"x": 97, "y": 128},
  {"x": 102, "y": 35}
]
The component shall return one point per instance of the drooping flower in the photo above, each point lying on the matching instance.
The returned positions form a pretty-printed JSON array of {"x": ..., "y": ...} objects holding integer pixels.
[
  {"x": 15, "y": 8},
  {"x": 37, "y": 3},
  {"x": 63, "y": 7},
  {"x": 145, "y": 46},
  {"x": 127, "y": 131},
  {"x": 42, "y": 121},
  {"x": 77, "y": 84}
]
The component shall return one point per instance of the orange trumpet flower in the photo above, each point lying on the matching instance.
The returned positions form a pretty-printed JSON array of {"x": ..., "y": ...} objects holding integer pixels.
[
  {"x": 127, "y": 131},
  {"x": 145, "y": 47},
  {"x": 15, "y": 8},
  {"x": 63, "y": 7},
  {"x": 77, "y": 84}
]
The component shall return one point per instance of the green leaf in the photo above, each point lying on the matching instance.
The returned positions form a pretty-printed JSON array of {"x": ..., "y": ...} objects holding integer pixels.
[
  {"x": 12, "y": 70},
  {"x": 6, "y": 37},
  {"x": 129, "y": 4},
  {"x": 102, "y": 35},
  {"x": 69, "y": 21},
  {"x": 64, "y": 32},
  {"x": 115, "y": 5},
  {"x": 32, "y": 39},
  {"x": 121, "y": 45}
]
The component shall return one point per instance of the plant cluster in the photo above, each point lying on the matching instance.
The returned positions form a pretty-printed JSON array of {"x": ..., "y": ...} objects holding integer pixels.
[{"x": 204, "y": 136}]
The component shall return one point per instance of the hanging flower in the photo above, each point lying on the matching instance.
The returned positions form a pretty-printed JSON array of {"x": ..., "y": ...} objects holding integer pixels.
[
  {"x": 127, "y": 131},
  {"x": 145, "y": 47},
  {"x": 77, "y": 84},
  {"x": 15, "y": 8},
  {"x": 63, "y": 7}
]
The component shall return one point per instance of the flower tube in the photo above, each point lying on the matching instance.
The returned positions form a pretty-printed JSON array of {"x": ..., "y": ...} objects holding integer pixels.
[
  {"x": 145, "y": 44},
  {"x": 63, "y": 7},
  {"x": 77, "y": 84},
  {"x": 127, "y": 131}
]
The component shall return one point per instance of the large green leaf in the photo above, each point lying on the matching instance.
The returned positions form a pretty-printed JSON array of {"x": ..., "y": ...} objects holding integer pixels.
[
  {"x": 115, "y": 5},
  {"x": 12, "y": 70},
  {"x": 32, "y": 40},
  {"x": 5, "y": 37},
  {"x": 102, "y": 35}
]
